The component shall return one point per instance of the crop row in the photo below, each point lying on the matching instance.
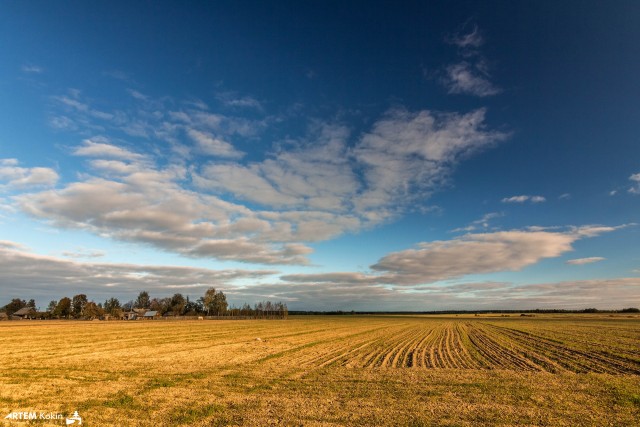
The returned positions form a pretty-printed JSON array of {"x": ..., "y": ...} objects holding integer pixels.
[{"x": 456, "y": 344}]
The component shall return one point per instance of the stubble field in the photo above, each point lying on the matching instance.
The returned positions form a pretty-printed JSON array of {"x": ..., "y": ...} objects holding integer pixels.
[{"x": 344, "y": 370}]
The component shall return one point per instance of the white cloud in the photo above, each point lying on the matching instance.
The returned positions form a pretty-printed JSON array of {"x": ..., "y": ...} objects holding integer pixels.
[
  {"x": 51, "y": 278},
  {"x": 14, "y": 177},
  {"x": 101, "y": 147},
  {"x": 524, "y": 198},
  {"x": 466, "y": 39},
  {"x": 470, "y": 75},
  {"x": 482, "y": 223},
  {"x": 636, "y": 188},
  {"x": 317, "y": 187},
  {"x": 315, "y": 175},
  {"x": 247, "y": 183},
  {"x": 145, "y": 205},
  {"x": 32, "y": 69},
  {"x": 473, "y": 254},
  {"x": 7, "y": 244},
  {"x": 9, "y": 162},
  {"x": 73, "y": 105},
  {"x": 408, "y": 155},
  {"x": 465, "y": 78},
  {"x": 83, "y": 253},
  {"x": 138, "y": 95},
  {"x": 243, "y": 250},
  {"x": 157, "y": 119},
  {"x": 31, "y": 274},
  {"x": 47, "y": 277},
  {"x": 338, "y": 277},
  {"x": 345, "y": 293},
  {"x": 405, "y": 156},
  {"x": 596, "y": 230},
  {"x": 117, "y": 74},
  {"x": 210, "y": 145},
  {"x": 582, "y": 261},
  {"x": 231, "y": 99},
  {"x": 470, "y": 254}
]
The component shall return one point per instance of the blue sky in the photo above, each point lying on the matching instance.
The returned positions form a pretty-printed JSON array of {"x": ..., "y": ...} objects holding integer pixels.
[{"x": 456, "y": 155}]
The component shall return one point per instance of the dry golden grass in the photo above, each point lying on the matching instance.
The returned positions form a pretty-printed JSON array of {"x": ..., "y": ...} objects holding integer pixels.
[{"x": 327, "y": 371}]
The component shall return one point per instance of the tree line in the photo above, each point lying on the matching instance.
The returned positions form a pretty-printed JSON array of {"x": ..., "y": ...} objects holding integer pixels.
[{"x": 212, "y": 303}]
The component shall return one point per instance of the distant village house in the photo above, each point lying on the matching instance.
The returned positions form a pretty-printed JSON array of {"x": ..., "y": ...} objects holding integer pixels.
[{"x": 24, "y": 313}]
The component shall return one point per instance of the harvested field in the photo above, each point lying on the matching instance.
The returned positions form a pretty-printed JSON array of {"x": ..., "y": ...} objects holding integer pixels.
[
  {"x": 467, "y": 344},
  {"x": 347, "y": 370}
]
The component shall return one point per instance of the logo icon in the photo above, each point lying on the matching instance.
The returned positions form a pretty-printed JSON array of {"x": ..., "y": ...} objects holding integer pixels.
[{"x": 74, "y": 420}]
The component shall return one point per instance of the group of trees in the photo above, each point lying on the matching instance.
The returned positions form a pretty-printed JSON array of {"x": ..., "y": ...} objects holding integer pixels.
[
  {"x": 16, "y": 304},
  {"x": 212, "y": 303}
]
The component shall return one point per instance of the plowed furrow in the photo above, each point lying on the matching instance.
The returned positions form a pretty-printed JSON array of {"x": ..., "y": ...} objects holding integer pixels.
[
  {"x": 624, "y": 347},
  {"x": 462, "y": 343},
  {"x": 451, "y": 352},
  {"x": 376, "y": 352},
  {"x": 436, "y": 359},
  {"x": 567, "y": 358},
  {"x": 335, "y": 349},
  {"x": 499, "y": 354},
  {"x": 538, "y": 360},
  {"x": 386, "y": 352},
  {"x": 400, "y": 356},
  {"x": 572, "y": 359},
  {"x": 415, "y": 357}
]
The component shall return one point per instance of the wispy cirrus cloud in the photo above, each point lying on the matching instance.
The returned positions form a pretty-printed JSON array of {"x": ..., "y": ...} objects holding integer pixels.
[
  {"x": 583, "y": 261},
  {"x": 83, "y": 254},
  {"x": 233, "y": 100},
  {"x": 469, "y": 37},
  {"x": 32, "y": 69},
  {"x": 408, "y": 154},
  {"x": 524, "y": 198},
  {"x": 471, "y": 75},
  {"x": 72, "y": 104},
  {"x": 482, "y": 223},
  {"x": 470, "y": 79},
  {"x": 635, "y": 179}
]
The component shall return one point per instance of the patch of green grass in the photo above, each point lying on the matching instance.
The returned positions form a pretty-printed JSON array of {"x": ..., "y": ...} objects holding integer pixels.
[
  {"x": 160, "y": 383},
  {"x": 634, "y": 399},
  {"x": 90, "y": 403},
  {"x": 121, "y": 400},
  {"x": 191, "y": 414}
]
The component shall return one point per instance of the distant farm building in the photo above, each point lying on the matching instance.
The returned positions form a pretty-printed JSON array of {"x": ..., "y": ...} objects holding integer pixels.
[
  {"x": 24, "y": 313},
  {"x": 129, "y": 315},
  {"x": 151, "y": 315}
]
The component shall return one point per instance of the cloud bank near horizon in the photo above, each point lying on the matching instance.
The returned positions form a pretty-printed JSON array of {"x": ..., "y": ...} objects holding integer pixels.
[{"x": 25, "y": 272}]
